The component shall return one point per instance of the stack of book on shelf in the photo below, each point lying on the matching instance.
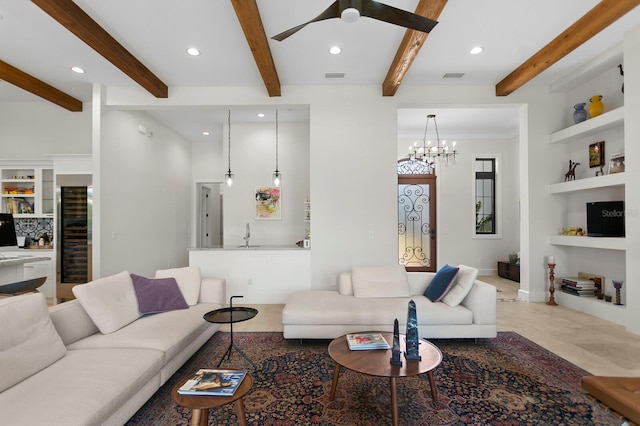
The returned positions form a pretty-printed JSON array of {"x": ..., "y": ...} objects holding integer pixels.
[
  {"x": 213, "y": 382},
  {"x": 578, "y": 286},
  {"x": 365, "y": 341}
]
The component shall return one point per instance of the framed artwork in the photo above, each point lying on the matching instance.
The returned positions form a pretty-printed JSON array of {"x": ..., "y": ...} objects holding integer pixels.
[
  {"x": 616, "y": 163},
  {"x": 267, "y": 202},
  {"x": 596, "y": 154}
]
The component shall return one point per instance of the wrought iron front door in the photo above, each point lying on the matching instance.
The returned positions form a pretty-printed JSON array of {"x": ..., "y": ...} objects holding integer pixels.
[{"x": 417, "y": 222}]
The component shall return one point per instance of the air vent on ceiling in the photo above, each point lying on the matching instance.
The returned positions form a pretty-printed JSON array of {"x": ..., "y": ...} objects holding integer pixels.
[
  {"x": 453, "y": 75},
  {"x": 333, "y": 75}
]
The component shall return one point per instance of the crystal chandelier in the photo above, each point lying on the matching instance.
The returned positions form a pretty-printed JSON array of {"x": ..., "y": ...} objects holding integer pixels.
[{"x": 430, "y": 152}]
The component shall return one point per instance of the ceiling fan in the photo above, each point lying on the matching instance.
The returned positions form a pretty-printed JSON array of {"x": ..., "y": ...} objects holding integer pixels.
[{"x": 351, "y": 10}]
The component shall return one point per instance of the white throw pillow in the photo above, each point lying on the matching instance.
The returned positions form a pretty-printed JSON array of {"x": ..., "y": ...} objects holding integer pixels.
[
  {"x": 380, "y": 281},
  {"x": 28, "y": 340},
  {"x": 461, "y": 286},
  {"x": 110, "y": 301},
  {"x": 188, "y": 279}
]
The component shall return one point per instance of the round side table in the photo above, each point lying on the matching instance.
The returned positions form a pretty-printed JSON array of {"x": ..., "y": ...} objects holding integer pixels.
[
  {"x": 200, "y": 404},
  {"x": 375, "y": 362},
  {"x": 230, "y": 316}
]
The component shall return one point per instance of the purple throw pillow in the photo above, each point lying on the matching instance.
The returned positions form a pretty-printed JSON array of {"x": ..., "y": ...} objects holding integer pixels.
[{"x": 157, "y": 294}]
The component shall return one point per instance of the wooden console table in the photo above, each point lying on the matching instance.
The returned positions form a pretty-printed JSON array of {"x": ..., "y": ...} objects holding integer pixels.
[{"x": 510, "y": 271}]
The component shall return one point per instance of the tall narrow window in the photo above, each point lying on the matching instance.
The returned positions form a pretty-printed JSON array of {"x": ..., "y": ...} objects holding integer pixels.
[{"x": 485, "y": 199}]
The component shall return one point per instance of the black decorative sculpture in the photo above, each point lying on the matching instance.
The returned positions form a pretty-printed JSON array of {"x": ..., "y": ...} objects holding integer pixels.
[
  {"x": 395, "y": 351},
  {"x": 412, "y": 339},
  {"x": 622, "y": 74},
  {"x": 571, "y": 174}
]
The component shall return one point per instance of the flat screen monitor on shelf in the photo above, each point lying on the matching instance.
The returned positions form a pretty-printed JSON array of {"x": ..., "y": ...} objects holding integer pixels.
[
  {"x": 605, "y": 219},
  {"x": 8, "y": 240}
]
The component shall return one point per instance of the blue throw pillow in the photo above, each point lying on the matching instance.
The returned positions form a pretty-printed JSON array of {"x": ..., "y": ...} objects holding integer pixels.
[{"x": 441, "y": 283}]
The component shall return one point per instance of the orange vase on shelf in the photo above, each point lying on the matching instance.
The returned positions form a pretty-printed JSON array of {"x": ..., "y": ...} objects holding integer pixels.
[{"x": 595, "y": 106}]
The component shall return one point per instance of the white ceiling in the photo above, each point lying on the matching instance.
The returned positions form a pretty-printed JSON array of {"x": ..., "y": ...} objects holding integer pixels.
[{"x": 157, "y": 32}]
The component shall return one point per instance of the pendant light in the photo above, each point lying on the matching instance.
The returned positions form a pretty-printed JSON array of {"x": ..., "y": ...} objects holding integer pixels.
[
  {"x": 228, "y": 177},
  {"x": 277, "y": 176}
]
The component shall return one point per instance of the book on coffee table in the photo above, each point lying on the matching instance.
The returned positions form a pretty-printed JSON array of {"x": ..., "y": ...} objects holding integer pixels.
[
  {"x": 366, "y": 341},
  {"x": 213, "y": 382}
]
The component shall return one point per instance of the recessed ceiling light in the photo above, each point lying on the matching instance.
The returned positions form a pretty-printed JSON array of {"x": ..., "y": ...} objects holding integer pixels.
[
  {"x": 260, "y": 114},
  {"x": 476, "y": 50},
  {"x": 78, "y": 70},
  {"x": 335, "y": 50},
  {"x": 193, "y": 51},
  {"x": 205, "y": 133}
]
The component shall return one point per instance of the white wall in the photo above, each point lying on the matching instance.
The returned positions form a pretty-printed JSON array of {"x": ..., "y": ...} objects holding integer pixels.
[
  {"x": 145, "y": 195},
  {"x": 456, "y": 201},
  {"x": 31, "y": 129},
  {"x": 253, "y": 161},
  {"x": 632, "y": 171},
  {"x": 207, "y": 162}
]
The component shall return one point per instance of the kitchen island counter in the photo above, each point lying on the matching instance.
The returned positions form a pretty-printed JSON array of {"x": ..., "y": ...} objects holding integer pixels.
[
  {"x": 251, "y": 247},
  {"x": 263, "y": 274},
  {"x": 12, "y": 266}
]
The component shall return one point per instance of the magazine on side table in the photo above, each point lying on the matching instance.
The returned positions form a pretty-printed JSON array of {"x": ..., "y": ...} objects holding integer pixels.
[
  {"x": 213, "y": 382},
  {"x": 366, "y": 341}
]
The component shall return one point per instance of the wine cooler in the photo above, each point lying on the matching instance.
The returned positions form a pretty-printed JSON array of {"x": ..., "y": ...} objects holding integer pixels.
[{"x": 74, "y": 238}]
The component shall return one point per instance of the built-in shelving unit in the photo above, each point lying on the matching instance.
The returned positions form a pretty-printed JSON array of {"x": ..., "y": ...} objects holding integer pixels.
[
  {"x": 608, "y": 126},
  {"x": 23, "y": 191}
]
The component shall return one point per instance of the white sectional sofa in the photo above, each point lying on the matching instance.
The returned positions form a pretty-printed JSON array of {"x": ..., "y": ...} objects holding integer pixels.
[
  {"x": 371, "y": 298},
  {"x": 58, "y": 368}
]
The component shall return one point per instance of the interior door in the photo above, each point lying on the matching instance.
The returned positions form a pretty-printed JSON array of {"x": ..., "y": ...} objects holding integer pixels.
[
  {"x": 417, "y": 221},
  {"x": 205, "y": 219}
]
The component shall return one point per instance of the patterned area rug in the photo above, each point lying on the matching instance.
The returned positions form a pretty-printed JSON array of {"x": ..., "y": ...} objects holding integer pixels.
[{"x": 506, "y": 381}]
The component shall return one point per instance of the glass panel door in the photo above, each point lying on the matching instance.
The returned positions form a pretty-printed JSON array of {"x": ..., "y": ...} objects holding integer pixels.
[{"x": 416, "y": 222}]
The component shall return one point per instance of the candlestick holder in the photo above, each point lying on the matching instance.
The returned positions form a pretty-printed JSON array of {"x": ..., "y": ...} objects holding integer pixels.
[
  {"x": 552, "y": 289},
  {"x": 617, "y": 284}
]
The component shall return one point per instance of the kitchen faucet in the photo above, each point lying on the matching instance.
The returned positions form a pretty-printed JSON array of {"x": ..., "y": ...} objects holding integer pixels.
[{"x": 247, "y": 235}]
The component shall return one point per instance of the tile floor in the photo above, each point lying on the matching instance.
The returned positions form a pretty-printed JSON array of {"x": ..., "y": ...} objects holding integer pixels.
[{"x": 596, "y": 345}]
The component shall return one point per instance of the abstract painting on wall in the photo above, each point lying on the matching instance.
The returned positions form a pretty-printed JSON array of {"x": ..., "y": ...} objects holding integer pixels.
[{"x": 268, "y": 202}]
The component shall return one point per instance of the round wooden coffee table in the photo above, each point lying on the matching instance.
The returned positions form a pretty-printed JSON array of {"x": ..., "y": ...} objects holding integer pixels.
[
  {"x": 200, "y": 404},
  {"x": 376, "y": 363}
]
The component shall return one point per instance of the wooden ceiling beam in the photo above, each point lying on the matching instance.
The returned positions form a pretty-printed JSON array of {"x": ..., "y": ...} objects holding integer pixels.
[
  {"x": 21, "y": 79},
  {"x": 601, "y": 16},
  {"x": 73, "y": 18},
  {"x": 251, "y": 23},
  {"x": 410, "y": 46}
]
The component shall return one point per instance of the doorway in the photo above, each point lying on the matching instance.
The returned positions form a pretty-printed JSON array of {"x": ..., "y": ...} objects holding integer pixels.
[
  {"x": 416, "y": 216},
  {"x": 209, "y": 220}
]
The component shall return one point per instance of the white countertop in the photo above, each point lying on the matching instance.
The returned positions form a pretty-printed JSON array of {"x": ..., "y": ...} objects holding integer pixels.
[
  {"x": 250, "y": 248},
  {"x": 11, "y": 259}
]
